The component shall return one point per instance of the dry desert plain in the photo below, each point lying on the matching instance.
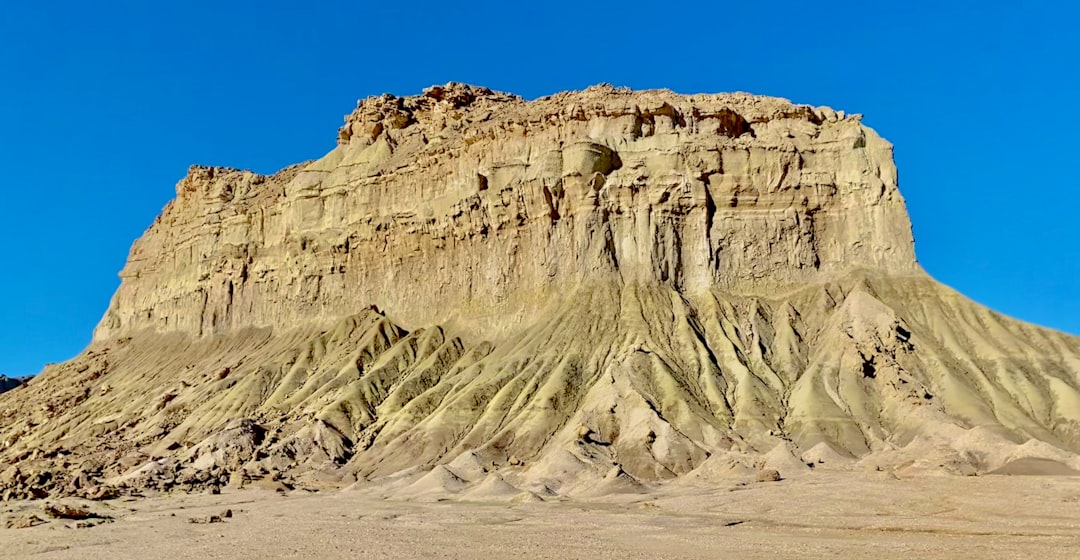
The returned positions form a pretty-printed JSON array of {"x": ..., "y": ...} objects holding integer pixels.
[{"x": 820, "y": 515}]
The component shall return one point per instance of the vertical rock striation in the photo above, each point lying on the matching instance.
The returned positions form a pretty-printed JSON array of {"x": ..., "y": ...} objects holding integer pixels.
[
  {"x": 476, "y": 207},
  {"x": 581, "y": 294}
]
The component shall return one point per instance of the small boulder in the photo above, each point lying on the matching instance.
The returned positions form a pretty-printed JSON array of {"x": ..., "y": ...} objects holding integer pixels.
[
  {"x": 64, "y": 511},
  {"x": 24, "y": 521},
  {"x": 99, "y": 493},
  {"x": 768, "y": 475}
]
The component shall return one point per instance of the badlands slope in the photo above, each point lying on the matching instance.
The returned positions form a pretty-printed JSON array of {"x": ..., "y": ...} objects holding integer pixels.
[{"x": 588, "y": 294}]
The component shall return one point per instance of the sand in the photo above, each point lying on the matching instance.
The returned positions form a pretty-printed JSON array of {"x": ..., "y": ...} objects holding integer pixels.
[{"x": 825, "y": 515}]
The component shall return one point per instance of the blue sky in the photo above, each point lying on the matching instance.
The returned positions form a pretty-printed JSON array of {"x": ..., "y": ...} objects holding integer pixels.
[{"x": 104, "y": 105}]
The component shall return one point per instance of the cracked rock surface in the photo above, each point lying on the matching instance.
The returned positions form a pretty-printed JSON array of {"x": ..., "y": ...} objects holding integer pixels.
[{"x": 588, "y": 293}]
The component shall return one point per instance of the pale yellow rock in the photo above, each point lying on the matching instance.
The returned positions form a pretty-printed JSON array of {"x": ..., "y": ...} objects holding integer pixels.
[
  {"x": 594, "y": 292},
  {"x": 516, "y": 204}
]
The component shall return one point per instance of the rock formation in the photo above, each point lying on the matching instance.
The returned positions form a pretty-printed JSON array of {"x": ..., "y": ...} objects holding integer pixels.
[
  {"x": 9, "y": 383},
  {"x": 589, "y": 292},
  {"x": 466, "y": 207}
]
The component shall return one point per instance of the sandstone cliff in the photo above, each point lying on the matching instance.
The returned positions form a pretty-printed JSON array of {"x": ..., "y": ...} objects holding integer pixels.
[
  {"x": 478, "y": 208},
  {"x": 582, "y": 293}
]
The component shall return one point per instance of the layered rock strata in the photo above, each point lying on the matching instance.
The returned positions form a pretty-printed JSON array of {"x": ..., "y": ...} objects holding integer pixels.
[
  {"x": 477, "y": 208},
  {"x": 591, "y": 292}
]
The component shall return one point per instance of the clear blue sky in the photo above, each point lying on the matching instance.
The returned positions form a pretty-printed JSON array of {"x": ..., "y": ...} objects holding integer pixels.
[{"x": 104, "y": 105}]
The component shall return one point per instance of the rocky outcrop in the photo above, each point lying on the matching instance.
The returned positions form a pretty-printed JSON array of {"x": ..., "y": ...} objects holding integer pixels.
[
  {"x": 467, "y": 207},
  {"x": 590, "y": 292},
  {"x": 9, "y": 383}
]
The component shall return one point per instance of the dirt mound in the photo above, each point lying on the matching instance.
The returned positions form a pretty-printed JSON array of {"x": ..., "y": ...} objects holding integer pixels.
[
  {"x": 1031, "y": 466},
  {"x": 494, "y": 488},
  {"x": 438, "y": 484}
]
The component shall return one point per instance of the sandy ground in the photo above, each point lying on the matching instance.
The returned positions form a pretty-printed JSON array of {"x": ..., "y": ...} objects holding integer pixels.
[{"x": 820, "y": 516}]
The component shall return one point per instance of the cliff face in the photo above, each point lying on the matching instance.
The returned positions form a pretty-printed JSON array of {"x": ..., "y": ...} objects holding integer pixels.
[
  {"x": 477, "y": 209},
  {"x": 573, "y": 295}
]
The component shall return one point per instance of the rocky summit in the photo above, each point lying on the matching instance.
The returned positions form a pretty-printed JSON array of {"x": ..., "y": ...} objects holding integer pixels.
[
  {"x": 9, "y": 383},
  {"x": 593, "y": 292}
]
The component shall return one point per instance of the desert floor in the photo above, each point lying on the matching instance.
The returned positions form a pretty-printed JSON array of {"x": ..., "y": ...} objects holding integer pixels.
[{"x": 841, "y": 515}]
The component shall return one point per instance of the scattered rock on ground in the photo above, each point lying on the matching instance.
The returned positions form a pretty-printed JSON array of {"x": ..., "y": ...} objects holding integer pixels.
[
  {"x": 24, "y": 521},
  {"x": 768, "y": 475},
  {"x": 64, "y": 511}
]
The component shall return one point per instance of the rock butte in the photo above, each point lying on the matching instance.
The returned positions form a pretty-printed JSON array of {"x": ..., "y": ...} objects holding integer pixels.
[{"x": 588, "y": 293}]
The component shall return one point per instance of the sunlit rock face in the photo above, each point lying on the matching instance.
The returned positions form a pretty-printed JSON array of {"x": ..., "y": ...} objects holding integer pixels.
[
  {"x": 466, "y": 205},
  {"x": 588, "y": 293}
]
